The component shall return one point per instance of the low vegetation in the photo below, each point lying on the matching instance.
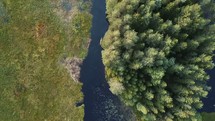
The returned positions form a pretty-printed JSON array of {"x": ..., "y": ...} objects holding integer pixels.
[
  {"x": 34, "y": 39},
  {"x": 208, "y": 116}
]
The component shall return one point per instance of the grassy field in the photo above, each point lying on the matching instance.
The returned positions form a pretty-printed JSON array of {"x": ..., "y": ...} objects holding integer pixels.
[{"x": 33, "y": 40}]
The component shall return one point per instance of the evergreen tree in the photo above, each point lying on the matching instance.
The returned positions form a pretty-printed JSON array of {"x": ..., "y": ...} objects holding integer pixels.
[{"x": 156, "y": 53}]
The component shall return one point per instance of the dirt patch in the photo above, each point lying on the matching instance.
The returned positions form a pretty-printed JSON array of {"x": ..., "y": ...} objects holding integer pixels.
[{"x": 73, "y": 67}]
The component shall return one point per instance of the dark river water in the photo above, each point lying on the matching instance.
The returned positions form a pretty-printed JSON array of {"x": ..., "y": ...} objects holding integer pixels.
[
  {"x": 100, "y": 103},
  {"x": 209, "y": 102}
]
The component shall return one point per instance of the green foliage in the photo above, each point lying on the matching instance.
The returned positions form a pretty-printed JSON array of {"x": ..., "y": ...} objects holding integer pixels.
[
  {"x": 158, "y": 51},
  {"x": 80, "y": 32},
  {"x": 33, "y": 84},
  {"x": 208, "y": 116},
  {"x": 141, "y": 108}
]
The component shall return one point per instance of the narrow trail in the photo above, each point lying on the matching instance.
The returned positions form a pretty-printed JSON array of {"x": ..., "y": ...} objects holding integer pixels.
[{"x": 100, "y": 103}]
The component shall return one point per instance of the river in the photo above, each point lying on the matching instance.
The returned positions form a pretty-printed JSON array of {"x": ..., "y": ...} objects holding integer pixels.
[
  {"x": 209, "y": 102},
  {"x": 100, "y": 103}
]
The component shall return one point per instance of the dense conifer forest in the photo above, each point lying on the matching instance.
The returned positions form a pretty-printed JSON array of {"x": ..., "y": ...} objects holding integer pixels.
[{"x": 156, "y": 53}]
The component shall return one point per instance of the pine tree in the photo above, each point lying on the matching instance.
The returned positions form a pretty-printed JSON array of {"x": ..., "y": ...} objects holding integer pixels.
[{"x": 156, "y": 53}]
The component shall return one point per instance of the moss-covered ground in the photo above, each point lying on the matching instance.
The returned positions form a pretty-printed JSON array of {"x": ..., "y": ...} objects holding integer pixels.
[{"x": 33, "y": 40}]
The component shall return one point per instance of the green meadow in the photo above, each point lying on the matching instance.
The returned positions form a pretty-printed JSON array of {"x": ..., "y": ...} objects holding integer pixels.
[{"x": 34, "y": 86}]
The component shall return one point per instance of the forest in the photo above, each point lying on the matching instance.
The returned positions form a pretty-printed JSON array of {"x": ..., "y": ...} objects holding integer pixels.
[
  {"x": 156, "y": 53},
  {"x": 155, "y": 58}
]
